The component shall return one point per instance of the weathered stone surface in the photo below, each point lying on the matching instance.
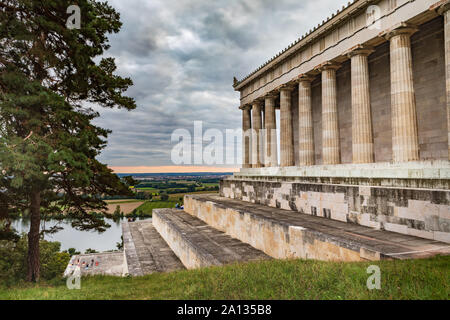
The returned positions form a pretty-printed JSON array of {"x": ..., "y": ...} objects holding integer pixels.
[
  {"x": 443, "y": 8},
  {"x": 285, "y": 234},
  {"x": 420, "y": 212},
  {"x": 198, "y": 244},
  {"x": 287, "y": 156},
  {"x": 246, "y": 137},
  {"x": 405, "y": 141},
  {"x": 331, "y": 150},
  {"x": 423, "y": 174},
  {"x": 270, "y": 125},
  {"x": 305, "y": 123},
  {"x": 146, "y": 251},
  {"x": 362, "y": 140},
  {"x": 257, "y": 147},
  {"x": 108, "y": 263}
]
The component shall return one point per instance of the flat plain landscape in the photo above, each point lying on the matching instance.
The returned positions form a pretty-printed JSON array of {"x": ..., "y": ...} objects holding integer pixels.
[{"x": 162, "y": 191}]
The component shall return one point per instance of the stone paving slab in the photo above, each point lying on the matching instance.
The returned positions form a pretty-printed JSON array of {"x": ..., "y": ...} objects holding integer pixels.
[
  {"x": 200, "y": 245},
  {"x": 146, "y": 252},
  {"x": 387, "y": 244},
  {"x": 107, "y": 263}
]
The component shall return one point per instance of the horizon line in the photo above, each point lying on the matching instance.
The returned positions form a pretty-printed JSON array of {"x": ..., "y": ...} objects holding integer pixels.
[{"x": 171, "y": 169}]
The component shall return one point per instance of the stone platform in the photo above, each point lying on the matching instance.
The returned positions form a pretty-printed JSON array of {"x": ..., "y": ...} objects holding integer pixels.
[
  {"x": 286, "y": 234},
  {"x": 215, "y": 231},
  {"x": 416, "y": 174},
  {"x": 408, "y": 198},
  {"x": 198, "y": 244}
]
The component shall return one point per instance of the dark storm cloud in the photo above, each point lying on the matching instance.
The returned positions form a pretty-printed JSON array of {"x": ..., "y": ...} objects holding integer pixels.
[{"x": 182, "y": 56}]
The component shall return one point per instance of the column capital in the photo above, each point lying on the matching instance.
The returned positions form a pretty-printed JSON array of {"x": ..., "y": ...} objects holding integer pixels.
[
  {"x": 245, "y": 107},
  {"x": 258, "y": 101},
  {"x": 271, "y": 95},
  {"x": 400, "y": 28},
  {"x": 286, "y": 87},
  {"x": 359, "y": 50},
  {"x": 441, "y": 7},
  {"x": 305, "y": 77},
  {"x": 328, "y": 65}
]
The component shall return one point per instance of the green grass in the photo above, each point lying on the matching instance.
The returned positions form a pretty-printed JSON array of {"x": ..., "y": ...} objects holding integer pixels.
[
  {"x": 123, "y": 201},
  {"x": 146, "y": 189},
  {"x": 181, "y": 195},
  {"x": 296, "y": 279},
  {"x": 210, "y": 184},
  {"x": 148, "y": 206}
]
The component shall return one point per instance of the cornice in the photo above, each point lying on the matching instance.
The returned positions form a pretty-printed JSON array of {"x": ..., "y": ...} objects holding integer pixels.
[{"x": 330, "y": 23}]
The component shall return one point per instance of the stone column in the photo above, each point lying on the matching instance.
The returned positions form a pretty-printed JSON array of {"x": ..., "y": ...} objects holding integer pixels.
[
  {"x": 330, "y": 126},
  {"x": 256, "y": 139},
  {"x": 443, "y": 9},
  {"x": 305, "y": 122},
  {"x": 362, "y": 138},
  {"x": 286, "y": 135},
  {"x": 405, "y": 142},
  {"x": 246, "y": 136},
  {"x": 271, "y": 154}
]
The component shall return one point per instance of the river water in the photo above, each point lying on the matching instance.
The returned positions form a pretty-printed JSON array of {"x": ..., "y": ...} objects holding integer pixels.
[{"x": 80, "y": 240}]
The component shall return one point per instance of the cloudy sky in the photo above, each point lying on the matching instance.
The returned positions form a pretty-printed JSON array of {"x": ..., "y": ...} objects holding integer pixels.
[{"x": 182, "y": 56}]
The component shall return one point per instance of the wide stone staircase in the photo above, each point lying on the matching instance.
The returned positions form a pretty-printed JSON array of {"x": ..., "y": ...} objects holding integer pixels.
[{"x": 215, "y": 231}]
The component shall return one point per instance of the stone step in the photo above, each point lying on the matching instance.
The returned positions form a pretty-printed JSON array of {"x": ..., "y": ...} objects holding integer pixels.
[
  {"x": 198, "y": 244},
  {"x": 286, "y": 234},
  {"x": 145, "y": 251}
]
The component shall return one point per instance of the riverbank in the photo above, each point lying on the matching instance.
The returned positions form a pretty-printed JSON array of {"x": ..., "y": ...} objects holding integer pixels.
[{"x": 295, "y": 279}]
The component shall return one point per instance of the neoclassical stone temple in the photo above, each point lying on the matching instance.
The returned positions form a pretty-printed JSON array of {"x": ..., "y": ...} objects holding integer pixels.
[
  {"x": 364, "y": 108},
  {"x": 363, "y": 171}
]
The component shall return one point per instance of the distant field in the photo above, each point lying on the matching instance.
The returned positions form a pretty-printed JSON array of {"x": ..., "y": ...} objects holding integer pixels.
[
  {"x": 126, "y": 206},
  {"x": 179, "y": 186},
  {"x": 147, "y": 207},
  {"x": 196, "y": 192},
  {"x": 122, "y": 201},
  {"x": 181, "y": 195},
  {"x": 146, "y": 189}
]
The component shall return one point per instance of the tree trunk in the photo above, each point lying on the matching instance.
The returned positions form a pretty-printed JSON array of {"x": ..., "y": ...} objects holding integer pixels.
[{"x": 33, "y": 238}]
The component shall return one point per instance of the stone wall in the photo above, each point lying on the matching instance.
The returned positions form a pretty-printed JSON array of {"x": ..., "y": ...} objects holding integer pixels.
[
  {"x": 429, "y": 83},
  {"x": 276, "y": 239},
  {"x": 344, "y": 104},
  {"x": 413, "y": 211},
  {"x": 380, "y": 99}
]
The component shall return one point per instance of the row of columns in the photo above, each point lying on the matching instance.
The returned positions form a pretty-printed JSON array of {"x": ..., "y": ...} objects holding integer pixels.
[{"x": 405, "y": 143}]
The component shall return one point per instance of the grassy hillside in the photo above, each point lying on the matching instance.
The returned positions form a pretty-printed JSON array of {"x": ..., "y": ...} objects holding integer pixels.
[{"x": 296, "y": 279}]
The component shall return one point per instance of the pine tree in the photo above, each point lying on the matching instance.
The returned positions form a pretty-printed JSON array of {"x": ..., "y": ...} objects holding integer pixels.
[{"x": 48, "y": 144}]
